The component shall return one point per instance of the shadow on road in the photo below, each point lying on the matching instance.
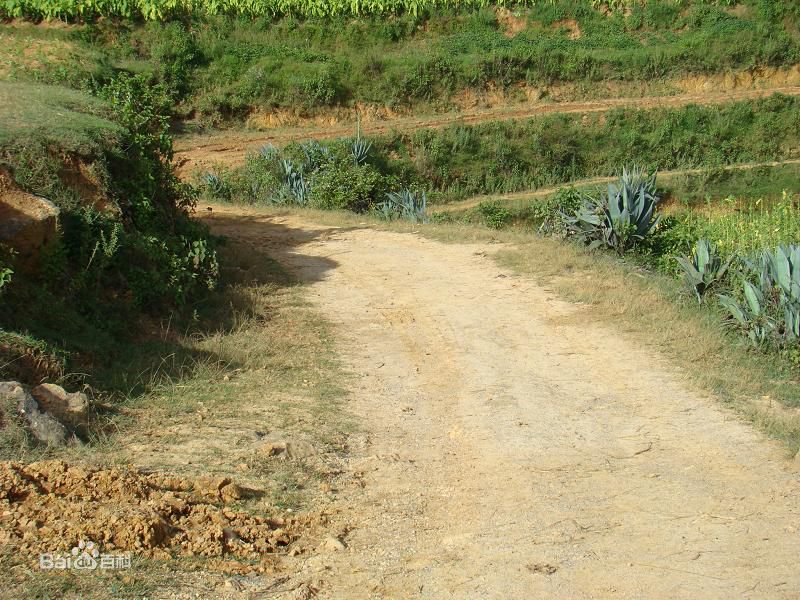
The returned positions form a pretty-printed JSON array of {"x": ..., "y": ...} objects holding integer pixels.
[{"x": 268, "y": 240}]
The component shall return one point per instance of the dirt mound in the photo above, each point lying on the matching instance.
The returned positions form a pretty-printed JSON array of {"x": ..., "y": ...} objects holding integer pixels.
[
  {"x": 512, "y": 24},
  {"x": 28, "y": 223},
  {"x": 51, "y": 506}
]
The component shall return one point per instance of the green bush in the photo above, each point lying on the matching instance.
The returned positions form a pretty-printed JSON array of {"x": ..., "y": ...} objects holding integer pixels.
[
  {"x": 345, "y": 186},
  {"x": 5, "y": 276},
  {"x": 495, "y": 215},
  {"x": 551, "y": 216},
  {"x": 258, "y": 181},
  {"x": 162, "y": 241}
]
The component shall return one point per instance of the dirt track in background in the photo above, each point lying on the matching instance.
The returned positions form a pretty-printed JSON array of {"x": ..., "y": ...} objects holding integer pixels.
[
  {"x": 228, "y": 148},
  {"x": 513, "y": 448},
  {"x": 455, "y": 207}
]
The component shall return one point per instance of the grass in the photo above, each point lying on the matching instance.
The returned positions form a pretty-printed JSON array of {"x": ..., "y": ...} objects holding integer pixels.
[
  {"x": 53, "y": 55},
  {"x": 503, "y": 157},
  {"x": 73, "y": 121},
  {"x": 226, "y": 69},
  {"x": 500, "y": 157},
  {"x": 268, "y": 365},
  {"x": 23, "y": 581},
  {"x": 258, "y": 361},
  {"x": 745, "y": 227},
  {"x": 715, "y": 185},
  {"x": 738, "y": 194}
]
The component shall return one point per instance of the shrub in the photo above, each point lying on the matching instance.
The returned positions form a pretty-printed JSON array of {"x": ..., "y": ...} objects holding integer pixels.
[
  {"x": 258, "y": 181},
  {"x": 5, "y": 276},
  {"x": 341, "y": 185},
  {"x": 550, "y": 216},
  {"x": 158, "y": 256},
  {"x": 495, "y": 215}
]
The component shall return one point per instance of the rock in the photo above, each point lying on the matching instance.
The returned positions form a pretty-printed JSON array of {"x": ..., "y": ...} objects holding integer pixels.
[
  {"x": 293, "y": 449},
  {"x": 28, "y": 223},
  {"x": 42, "y": 426},
  {"x": 69, "y": 408},
  {"x": 332, "y": 544},
  {"x": 273, "y": 448},
  {"x": 231, "y": 491},
  {"x": 212, "y": 486},
  {"x": 233, "y": 584}
]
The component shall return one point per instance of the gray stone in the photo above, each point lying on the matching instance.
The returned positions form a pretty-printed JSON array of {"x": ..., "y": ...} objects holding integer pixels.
[
  {"x": 69, "y": 408},
  {"x": 43, "y": 427},
  {"x": 288, "y": 449}
]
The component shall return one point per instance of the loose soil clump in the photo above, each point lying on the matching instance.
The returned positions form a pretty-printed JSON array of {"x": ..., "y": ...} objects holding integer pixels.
[{"x": 50, "y": 506}]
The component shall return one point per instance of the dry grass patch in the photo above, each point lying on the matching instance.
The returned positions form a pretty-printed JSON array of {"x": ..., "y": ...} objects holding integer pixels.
[
  {"x": 253, "y": 394},
  {"x": 656, "y": 312}
]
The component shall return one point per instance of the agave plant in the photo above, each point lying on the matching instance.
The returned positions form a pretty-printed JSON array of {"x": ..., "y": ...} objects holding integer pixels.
[
  {"x": 315, "y": 155},
  {"x": 782, "y": 271},
  {"x": 269, "y": 151},
  {"x": 753, "y": 315},
  {"x": 217, "y": 186},
  {"x": 620, "y": 218},
  {"x": 405, "y": 204},
  {"x": 636, "y": 179},
  {"x": 704, "y": 268},
  {"x": 360, "y": 150},
  {"x": 296, "y": 183},
  {"x": 772, "y": 304}
]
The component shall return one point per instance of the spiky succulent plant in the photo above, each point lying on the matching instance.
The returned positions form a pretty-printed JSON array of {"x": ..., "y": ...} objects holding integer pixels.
[{"x": 704, "y": 268}]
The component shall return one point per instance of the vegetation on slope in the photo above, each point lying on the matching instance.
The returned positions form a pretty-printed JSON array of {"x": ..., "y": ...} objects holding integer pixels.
[
  {"x": 158, "y": 9},
  {"x": 498, "y": 157},
  {"x": 222, "y": 69},
  {"x": 127, "y": 246}
]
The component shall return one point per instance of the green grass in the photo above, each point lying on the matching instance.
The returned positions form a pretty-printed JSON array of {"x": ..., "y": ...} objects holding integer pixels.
[
  {"x": 499, "y": 157},
  {"x": 224, "y": 69},
  {"x": 53, "y": 55},
  {"x": 462, "y": 161},
  {"x": 746, "y": 228},
  {"x": 747, "y": 186},
  {"x": 73, "y": 121},
  {"x": 428, "y": 62}
]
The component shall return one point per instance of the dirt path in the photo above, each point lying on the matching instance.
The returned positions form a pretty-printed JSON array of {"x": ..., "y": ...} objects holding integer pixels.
[
  {"x": 228, "y": 148},
  {"x": 513, "y": 449},
  {"x": 460, "y": 206}
]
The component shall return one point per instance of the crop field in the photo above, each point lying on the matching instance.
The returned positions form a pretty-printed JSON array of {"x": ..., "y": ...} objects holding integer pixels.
[
  {"x": 156, "y": 9},
  {"x": 399, "y": 298}
]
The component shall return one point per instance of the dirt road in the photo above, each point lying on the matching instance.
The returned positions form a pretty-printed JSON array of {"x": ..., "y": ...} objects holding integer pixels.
[
  {"x": 512, "y": 448},
  {"x": 460, "y": 206},
  {"x": 228, "y": 148}
]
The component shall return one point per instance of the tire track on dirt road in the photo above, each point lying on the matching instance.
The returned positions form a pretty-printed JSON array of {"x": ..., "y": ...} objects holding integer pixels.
[
  {"x": 513, "y": 448},
  {"x": 228, "y": 148}
]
